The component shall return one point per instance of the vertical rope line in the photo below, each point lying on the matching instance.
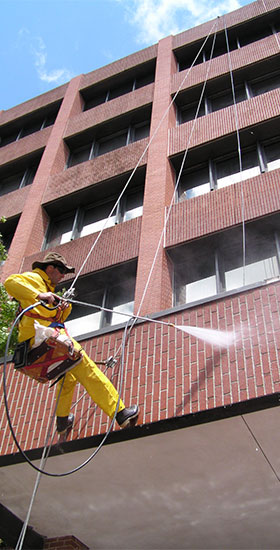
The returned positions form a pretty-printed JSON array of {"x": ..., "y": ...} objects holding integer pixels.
[
  {"x": 138, "y": 163},
  {"x": 239, "y": 155},
  {"x": 178, "y": 178},
  {"x": 43, "y": 461}
]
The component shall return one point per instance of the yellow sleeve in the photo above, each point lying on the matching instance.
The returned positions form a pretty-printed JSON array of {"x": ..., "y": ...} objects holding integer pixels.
[{"x": 25, "y": 287}]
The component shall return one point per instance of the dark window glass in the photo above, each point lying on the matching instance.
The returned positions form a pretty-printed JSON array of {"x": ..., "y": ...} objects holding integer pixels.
[
  {"x": 80, "y": 154},
  {"x": 31, "y": 128},
  {"x": 133, "y": 206},
  {"x": 272, "y": 155},
  {"x": 212, "y": 265},
  {"x": 86, "y": 319},
  {"x": 141, "y": 131},
  {"x": 228, "y": 169},
  {"x": 254, "y": 34},
  {"x": 225, "y": 98},
  {"x": 195, "y": 274},
  {"x": 144, "y": 80},
  {"x": 112, "y": 142},
  {"x": 60, "y": 230},
  {"x": 5, "y": 140},
  {"x": 189, "y": 112},
  {"x": 120, "y": 90},
  {"x": 50, "y": 119},
  {"x": 94, "y": 218},
  {"x": 97, "y": 99},
  {"x": 10, "y": 183},
  {"x": 113, "y": 289},
  {"x": 194, "y": 183},
  {"x": 266, "y": 84},
  {"x": 120, "y": 298}
]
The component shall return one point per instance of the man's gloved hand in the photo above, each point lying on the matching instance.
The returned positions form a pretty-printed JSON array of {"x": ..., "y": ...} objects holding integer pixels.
[{"x": 52, "y": 299}]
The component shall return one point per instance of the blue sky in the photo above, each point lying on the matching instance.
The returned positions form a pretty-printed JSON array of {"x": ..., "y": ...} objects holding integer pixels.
[{"x": 45, "y": 43}]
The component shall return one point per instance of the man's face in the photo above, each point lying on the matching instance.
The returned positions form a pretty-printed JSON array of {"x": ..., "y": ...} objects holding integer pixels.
[{"x": 55, "y": 273}]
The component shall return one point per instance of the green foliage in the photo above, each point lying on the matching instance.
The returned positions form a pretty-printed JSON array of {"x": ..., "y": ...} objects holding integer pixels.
[
  {"x": 3, "y": 252},
  {"x": 8, "y": 309}
]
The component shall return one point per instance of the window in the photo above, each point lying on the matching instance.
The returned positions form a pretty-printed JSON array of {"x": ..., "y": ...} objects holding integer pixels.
[
  {"x": 223, "y": 99},
  {"x": 194, "y": 182},
  {"x": 272, "y": 154},
  {"x": 112, "y": 289},
  {"x": 218, "y": 94},
  {"x": 120, "y": 139},
  {"x": 94, "y": 218},
  {"x": 238, "y": 36},
  {"x": 265, "y": 84},
  {"x": 102, "y": 144},
  {"x": 212, "y": 265},
  {"x": 17, "y": 178},
  {"x": 88, "y": 219},
  {"x": 228, "y": 169},
  {"x": 80, "y": 154},
  {"x": 25, "y": 127},
  {"x": 103, "y": 92},
  {"x": 223, "y": 171}
]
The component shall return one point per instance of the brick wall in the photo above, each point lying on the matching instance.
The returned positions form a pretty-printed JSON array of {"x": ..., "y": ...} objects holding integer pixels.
[
  {"x": 111, "y": 109},
  {"x": 234, "y": 18},
  {"x": 223, "y": 208},
  {"x": 32, "y": 225},
  {"x": 158, "y": 191},
  {"x": 69, "y": 542},
  {"x": 96, "y": 170},
  {"x": 12, "y": 204},
  {"x": 117, "y": 244},
  {"x": 243, "y": 57},
  {"x": 34, "y": 143},
  {"x": 33, "y": 104},
  {"x": 167, "y": 372},
  {"x": 119, "y": 66},
  {"x": 223, "y": 122}
]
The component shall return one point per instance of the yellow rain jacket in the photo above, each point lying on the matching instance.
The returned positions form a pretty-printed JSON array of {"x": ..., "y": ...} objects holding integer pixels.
[{"x": 25, "y": 288}]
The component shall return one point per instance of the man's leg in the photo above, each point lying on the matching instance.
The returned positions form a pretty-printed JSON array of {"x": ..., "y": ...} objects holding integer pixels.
[
  {"x": 64, "y": 397},
  {"x": 98, "y": 386},
  {"x": 100, "y": 389}
]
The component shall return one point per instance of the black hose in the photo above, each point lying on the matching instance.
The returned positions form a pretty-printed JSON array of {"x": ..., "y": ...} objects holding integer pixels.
[{"x": 24, "y": 455}]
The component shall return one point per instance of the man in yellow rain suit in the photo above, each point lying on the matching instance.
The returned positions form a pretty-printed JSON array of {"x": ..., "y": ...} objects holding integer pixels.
[{"x": 39, "y": 285}]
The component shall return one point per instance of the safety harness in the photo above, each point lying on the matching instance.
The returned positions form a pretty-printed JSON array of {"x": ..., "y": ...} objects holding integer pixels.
[{"x": 52, "y": 358}]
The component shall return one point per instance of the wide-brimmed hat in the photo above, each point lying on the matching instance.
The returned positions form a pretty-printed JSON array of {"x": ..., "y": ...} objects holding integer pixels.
[{"x": 53, "y": 258}]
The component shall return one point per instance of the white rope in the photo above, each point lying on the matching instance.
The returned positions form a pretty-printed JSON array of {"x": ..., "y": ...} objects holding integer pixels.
[
  {"x": 68, "y": 292},
  {"x": 178, "y": 178},
  {"x": 239, "y": 156},
  {"x": 43, "y": 461}
]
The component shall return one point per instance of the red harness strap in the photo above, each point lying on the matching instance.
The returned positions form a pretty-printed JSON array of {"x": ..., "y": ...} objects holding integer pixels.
[
  {"x": 49, "y": 360},
  {"x": 53, "y": 357},
  {"x": 56, "y": 318}
]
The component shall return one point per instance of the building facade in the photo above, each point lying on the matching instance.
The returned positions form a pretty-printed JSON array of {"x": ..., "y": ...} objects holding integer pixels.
[{"x": 157, "y": 177}]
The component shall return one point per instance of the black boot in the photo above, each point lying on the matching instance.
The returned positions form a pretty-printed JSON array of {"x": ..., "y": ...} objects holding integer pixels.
[
  {"x": 64, "y": 423},
  {"x": 127, "y": 418}
]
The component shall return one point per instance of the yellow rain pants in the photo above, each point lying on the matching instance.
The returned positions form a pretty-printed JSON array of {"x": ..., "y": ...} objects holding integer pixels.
[{"x": 25, "y": 288}]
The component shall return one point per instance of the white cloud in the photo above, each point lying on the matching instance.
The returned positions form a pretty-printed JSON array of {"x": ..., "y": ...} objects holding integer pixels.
[
  {"x": 156, "y": 19},
  {"x": 38, "y": 51}
]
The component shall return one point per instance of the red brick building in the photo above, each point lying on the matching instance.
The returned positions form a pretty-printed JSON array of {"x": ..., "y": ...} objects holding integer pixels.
[{"x": 183, "y": 139}]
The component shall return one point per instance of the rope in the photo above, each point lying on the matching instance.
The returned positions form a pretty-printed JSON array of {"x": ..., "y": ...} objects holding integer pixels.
[
  {"x": 24, "y": 455},
  {"x": 45, "y": 455},
  {"x": 239, "y": 155},
  {"x": 179, "y": 176},
  {"x": 68, "y": 292}
]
